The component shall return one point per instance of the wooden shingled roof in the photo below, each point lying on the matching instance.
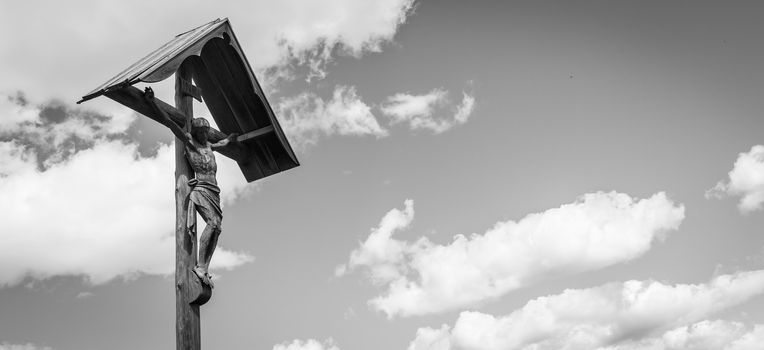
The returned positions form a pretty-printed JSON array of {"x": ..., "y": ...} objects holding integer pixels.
[{"x": 228, "y": 86}]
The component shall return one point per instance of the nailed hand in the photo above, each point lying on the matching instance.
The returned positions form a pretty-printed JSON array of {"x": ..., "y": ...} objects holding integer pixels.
[{"x": 148, "y": 93}]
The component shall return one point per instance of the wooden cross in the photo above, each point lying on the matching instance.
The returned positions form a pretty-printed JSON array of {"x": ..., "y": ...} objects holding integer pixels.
[
  {"x": 210, "y": 56},
  {"x": 190, "y": 293}
]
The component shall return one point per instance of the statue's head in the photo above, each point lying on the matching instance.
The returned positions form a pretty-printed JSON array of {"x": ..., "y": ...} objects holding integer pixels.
[{"x": 199, "y": 129}]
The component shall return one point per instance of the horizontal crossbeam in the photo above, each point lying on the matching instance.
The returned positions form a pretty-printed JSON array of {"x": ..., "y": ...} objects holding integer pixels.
[
  {"x": 255, "y": 133},
  {"x": 189, "y": 89},
  {"x": 133, "y": 98}
]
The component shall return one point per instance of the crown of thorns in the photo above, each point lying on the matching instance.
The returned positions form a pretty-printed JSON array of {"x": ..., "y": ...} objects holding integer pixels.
[{"x": 200, "y": 122}]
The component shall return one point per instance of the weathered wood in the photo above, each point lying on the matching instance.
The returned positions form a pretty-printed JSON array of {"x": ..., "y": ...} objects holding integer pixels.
[
  {"x": 199, "y": 293},
  {"x": 133, "y": 98},
  {"x": 228, "y": 76},
  {"x": 230, "y": 70},
  {"x": 238, "y": 105},
  {"x": 187, "y": 321},
  {"x": 255, "y": 133},
  {"x": 191, "y": 90}
]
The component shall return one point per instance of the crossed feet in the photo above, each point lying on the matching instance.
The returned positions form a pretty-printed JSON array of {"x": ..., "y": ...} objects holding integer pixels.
[{"x": 203, "y": 275}]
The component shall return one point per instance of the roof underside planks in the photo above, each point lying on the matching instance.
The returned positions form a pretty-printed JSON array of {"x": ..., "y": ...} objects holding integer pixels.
[{"x": 228, "y": 87}]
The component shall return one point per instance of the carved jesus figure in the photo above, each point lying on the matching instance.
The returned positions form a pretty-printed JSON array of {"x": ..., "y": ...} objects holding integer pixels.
[{"x": 204, "y": 196}]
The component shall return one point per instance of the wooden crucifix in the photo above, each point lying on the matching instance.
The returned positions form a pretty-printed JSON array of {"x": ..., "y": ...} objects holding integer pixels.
[{"x": 209, "y": 65}]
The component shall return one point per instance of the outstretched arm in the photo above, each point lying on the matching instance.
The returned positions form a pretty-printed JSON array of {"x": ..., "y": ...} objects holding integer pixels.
[
  {"x": 224, "y": 142},
  {"x": 166, "y": 121}
]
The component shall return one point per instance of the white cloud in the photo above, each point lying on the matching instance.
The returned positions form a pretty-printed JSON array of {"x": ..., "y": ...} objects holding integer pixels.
[
  {"x": 15, "y": 113},
  {"x": 72, "y": 185},
  {"x": 749, "y": 341},
  {"x": 14, "y": 159},
  {"x": 54, "y": 121},
  {"x": 310, "y": 344},
  {"x": 311, "y": 36},
  {"x": 296, "y": 37},
  {"x": 84, "y": 295},
  {"x": 432, "y": 339},
  {"x": 746, "y": 180},
  {"x": 27, "y": 346},
  {"x": 384, "y": 256},
  {"x": 598, "y": 230},
  {"x": 56, "y": 130},
  {"x": 401, "y": 107},
  {"x": 703, "y": 335},
  {"x": 419, "y": 111},
  {"x": 101, "y": 210},
  {"x": 464, "y": 110},
  {"x": 307, "y": 117},
  {"x": 627, "y": 315},
  {"x": 104, "y": 213},
  {"x": 275, "y": 34}
]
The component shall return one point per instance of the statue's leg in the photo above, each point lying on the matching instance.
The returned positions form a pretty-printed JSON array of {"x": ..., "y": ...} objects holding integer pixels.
[{"x": 209, "y": 239}]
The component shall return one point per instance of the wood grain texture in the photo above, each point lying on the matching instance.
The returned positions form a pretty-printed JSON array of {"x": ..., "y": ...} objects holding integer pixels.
[
  {"x": 187, "y": 319},
  {"x": 228, "y": 87},
  {"x": 191, "y": 90},
  {"x": 255, "y": 134},
  {"x": 133, "y": 98}
]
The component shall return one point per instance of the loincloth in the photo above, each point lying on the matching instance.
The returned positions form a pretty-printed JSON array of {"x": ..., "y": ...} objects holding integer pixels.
[{"x": 204, "y": 197}]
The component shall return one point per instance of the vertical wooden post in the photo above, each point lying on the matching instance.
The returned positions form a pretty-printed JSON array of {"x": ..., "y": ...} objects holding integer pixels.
[{"x": 187, "y": 325}]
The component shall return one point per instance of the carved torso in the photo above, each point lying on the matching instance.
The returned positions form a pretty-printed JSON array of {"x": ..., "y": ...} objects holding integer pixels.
[{"x": 202, "y": 161}]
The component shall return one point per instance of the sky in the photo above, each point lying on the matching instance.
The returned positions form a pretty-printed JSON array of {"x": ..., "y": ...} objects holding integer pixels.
[{"x": 474, "y": 175}]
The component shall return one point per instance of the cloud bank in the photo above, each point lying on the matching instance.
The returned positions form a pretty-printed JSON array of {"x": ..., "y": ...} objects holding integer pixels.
[
  {"x": 278, "y": 36},
  {"x": 419, "y": 111},
  {"x": 70, "y": 175},
  {"x": 620, "y": 315},
  {"x": 306, "y": 117},
  {"x": 703, "y": 335},
  {"x": 78, "y": 199},
  {"x": 296, "y": 38},
  {"x": 598, "y": 230},
  {"x": 745, "y": 180},
  {"x": 315, "y": 33},
  {"x": 27, "y": 346},
  {"x": 310, "y": 344}
]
